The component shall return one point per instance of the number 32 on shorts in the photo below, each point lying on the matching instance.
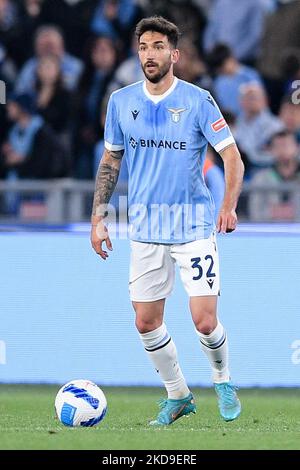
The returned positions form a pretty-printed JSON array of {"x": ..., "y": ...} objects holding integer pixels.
[{"x": 199, "y": 266}]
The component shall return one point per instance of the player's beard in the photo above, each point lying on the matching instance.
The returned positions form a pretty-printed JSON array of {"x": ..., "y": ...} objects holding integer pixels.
[{"x": 160, "y": 73}]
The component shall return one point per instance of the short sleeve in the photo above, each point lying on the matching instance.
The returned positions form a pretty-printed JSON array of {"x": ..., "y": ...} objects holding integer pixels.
[
  {"x": 213, "y": 125},
  {"x": 113, "y": 135}
]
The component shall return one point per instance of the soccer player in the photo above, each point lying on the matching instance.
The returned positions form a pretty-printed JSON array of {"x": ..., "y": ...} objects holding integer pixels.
[{"x": 163, "y": 125}]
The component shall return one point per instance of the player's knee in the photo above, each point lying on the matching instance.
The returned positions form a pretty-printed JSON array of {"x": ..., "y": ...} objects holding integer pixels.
[
  {"x": 145, "y": 326},
  {"x": 206, "y": 325},
  {"x": 136, "y": 306},
  {"x": 148, "y": 318}
]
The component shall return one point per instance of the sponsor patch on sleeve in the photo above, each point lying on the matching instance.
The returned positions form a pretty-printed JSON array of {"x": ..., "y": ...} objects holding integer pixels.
[{"x": 219, "y": 125}]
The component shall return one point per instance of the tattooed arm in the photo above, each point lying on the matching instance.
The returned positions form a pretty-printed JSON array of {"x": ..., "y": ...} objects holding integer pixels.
[{"x": 106, "y": 180}]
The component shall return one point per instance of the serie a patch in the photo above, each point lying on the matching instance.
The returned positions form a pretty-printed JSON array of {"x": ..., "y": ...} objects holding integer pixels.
[{"x": 219, "y": 125}]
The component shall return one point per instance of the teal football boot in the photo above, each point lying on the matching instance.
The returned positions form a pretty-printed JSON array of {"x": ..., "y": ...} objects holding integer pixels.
[
  {"x": 229, "y": 404},
  {"x": 170, "y": 410}
]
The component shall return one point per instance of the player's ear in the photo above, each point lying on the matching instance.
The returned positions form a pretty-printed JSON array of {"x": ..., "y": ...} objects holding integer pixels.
[{"x": 175, "y": 56}]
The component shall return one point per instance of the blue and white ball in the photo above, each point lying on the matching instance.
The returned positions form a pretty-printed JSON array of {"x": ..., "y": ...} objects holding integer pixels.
[{"x": 80, "y": 403}]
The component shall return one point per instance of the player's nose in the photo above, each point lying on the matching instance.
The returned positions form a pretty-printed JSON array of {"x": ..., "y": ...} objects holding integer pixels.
[{"x": 150, "y": 54}]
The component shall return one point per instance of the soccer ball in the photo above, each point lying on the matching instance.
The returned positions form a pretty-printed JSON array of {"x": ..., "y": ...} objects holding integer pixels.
[{"x": 80, "y": 403}]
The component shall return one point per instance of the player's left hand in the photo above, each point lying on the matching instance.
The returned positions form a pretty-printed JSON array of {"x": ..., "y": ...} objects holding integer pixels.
[{"x": 227, "y": 220}]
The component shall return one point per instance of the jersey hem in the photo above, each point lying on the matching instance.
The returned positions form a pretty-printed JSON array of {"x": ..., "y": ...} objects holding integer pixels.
[{"x": 172, "y": 242}]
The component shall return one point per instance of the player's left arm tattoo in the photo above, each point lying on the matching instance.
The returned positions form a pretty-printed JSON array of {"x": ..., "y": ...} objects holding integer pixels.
[{"x": 106, "y": 180}]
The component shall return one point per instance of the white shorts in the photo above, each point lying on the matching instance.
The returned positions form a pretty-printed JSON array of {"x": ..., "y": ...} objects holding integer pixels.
[{"x": 152, "y": 269}]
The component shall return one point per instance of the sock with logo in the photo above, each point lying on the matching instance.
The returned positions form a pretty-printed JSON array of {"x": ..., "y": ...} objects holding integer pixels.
[
  {"x": 162, "y": 352},
  {"x": 215, "y": 346}
]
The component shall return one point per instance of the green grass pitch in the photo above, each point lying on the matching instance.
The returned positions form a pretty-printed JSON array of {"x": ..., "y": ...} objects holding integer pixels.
[{"x": 270, "y": 420}]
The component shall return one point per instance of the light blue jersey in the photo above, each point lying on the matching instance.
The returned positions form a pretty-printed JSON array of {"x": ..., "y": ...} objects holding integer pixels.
[{"x": 165, "y": 140}]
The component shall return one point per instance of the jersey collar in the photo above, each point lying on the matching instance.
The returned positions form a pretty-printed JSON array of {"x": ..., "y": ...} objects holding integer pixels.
[{"x": 157, "y": 98}]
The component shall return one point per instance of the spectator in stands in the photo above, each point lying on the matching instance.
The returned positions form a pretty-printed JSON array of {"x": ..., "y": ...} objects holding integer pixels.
[
  {"x": 204, "y": 4},
  {"x": 188, "y": 15},
  {"x": 129, "y": 71},
  {"x": 277, "y": 204},
  {"x": 237, "y": 24},
  {"x": 281, "y": 33},
  {"x": 29, "y": 20},
  {"x": 7, "y": 14},
  {"x": 8, "y": 23},
  {"x": 290, "y": 67},
  {"x": 115, "y": 18},
  {"x": 191, "y": 67},
  {"x": 7, "y": 69},
  {"x": 269, "y": 5},
  {"x": 7, "y": 75},
  {"x": 73, "y": 17},
  {"x": 230, "y": 74},
  {"x": 32, "y": 150},
  {"x": 93, "y": 86},
  {"x": 49, "y": 41},
  {"x": 53, "y": 100},
  {"x": 256, "y": 125},
  {"x": 289, "y": 114}
]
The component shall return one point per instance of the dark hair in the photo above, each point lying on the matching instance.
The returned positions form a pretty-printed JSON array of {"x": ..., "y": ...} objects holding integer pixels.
[
  {"x": 218, "y": 55},
  {"x": 159, "y": 25},
  {"x": 48, "y": 28},
  {"x": 280, "y": 134},
  {"x": 290, "y": 63}
]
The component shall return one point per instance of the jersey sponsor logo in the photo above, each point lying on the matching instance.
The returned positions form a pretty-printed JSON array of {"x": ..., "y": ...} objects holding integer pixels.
[
  {"x": 133, "y": 143},
  {"x": 176, "y": 113},
  {"x": 135, "y": 114},
  {"x": 219, "y": 125},
  {"x": 165, "y": 144},
  {"x": 151, "y": 143}
]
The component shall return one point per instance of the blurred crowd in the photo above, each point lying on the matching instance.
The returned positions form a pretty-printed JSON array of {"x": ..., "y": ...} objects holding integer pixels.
[{"x": 61, "y": 59}]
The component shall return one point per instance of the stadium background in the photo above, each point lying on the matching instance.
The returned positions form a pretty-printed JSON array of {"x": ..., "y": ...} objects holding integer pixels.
[{"x": 65, "y": 314}]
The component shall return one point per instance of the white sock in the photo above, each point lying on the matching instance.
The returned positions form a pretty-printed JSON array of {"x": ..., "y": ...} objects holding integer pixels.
[
  {"x": 162, "y": 352},
  {"x": 215, "y": 346}
]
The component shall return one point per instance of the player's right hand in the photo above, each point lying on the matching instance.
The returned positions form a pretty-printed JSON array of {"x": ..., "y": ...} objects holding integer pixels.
[{"x": 99, "y": 234}]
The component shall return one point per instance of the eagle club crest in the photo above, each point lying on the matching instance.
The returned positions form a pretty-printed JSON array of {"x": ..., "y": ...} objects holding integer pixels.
[{"x": 175, "y": 113}]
